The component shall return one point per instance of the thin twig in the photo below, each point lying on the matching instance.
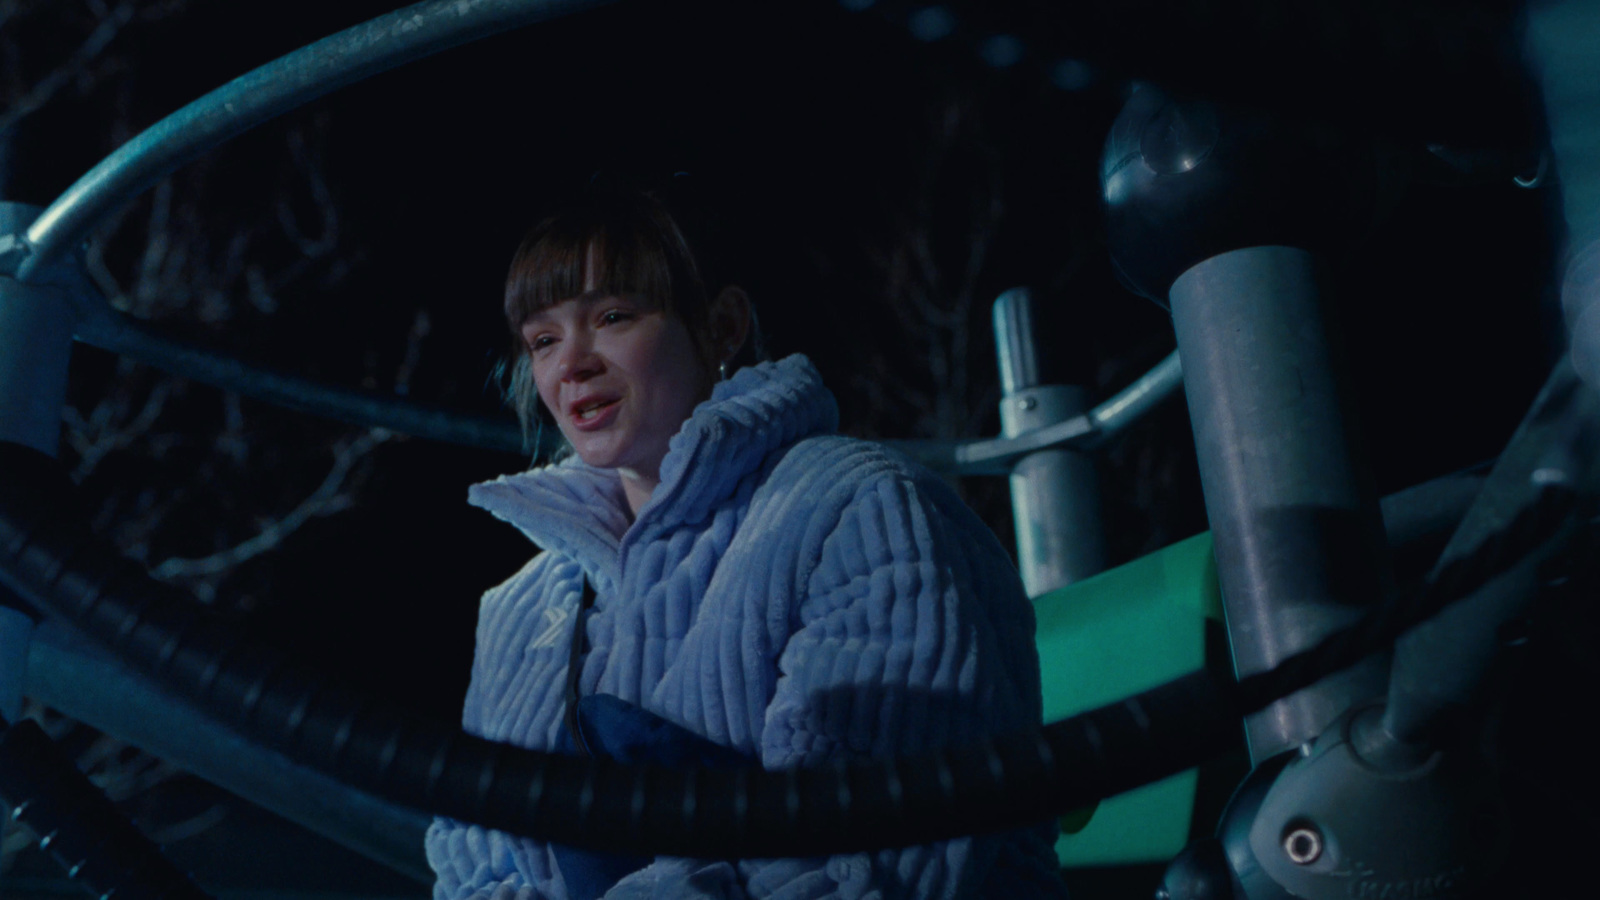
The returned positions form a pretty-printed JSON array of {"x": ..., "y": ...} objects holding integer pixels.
[
  {"x": 93, "y": 441},
  {"x": 47, "y": 87},
  {"x": 328, "y": 498}
]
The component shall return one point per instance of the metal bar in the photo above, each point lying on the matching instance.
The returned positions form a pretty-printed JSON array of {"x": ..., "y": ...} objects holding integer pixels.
[
  {"x": 1560, "y": 41},
  {"x": 266, "y": 92},
  {"x": 997, "y": 456},
  {"x": 35, "y": 347},
  {"x": 1441, "y": 666},
  {"x": 35, "y": 350},
  {"x": 1055, "y": 492},
  {"x": 67, "y": 673},
  {"x": 1015, "y": 341},
  {"x": 134, "y": 339},
  {"x": 118, "y": 333},
  {"x": 1130, "y": 404},
  {"x": 1295, "y": 522}
]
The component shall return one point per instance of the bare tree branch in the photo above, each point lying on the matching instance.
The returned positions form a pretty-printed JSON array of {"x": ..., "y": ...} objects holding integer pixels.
[
  {"x": 328, "y": 498},
  {"x": 93, "y": 439},
  {"x": 45, "y": 89},
  {"x": 179, "y": 254}
]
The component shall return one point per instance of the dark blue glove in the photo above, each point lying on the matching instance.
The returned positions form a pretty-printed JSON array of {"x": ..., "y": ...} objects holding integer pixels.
[{"x": 619, "y": 730}]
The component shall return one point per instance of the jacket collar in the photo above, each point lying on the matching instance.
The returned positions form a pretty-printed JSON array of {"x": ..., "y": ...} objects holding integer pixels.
[{"x": 580, "y": 511}]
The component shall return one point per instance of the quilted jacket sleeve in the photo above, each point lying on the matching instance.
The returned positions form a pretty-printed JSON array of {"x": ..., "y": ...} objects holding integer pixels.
[{"x": 913, "y": 632}]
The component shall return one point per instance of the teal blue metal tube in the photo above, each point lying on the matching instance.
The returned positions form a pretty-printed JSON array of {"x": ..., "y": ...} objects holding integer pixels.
[
  {"x": 265, "y": 93},
  {"x": 1561, "y": 41},
  {"x": 1055, "y": 493}
]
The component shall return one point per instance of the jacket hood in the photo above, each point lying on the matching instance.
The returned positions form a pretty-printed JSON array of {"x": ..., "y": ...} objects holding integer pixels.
[{"x": 580, "y": 511}]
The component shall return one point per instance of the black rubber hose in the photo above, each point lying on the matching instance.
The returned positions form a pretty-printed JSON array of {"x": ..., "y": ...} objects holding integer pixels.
[
  {"x": 48, "y": 555},
  {"x": 77, "y": 824}
]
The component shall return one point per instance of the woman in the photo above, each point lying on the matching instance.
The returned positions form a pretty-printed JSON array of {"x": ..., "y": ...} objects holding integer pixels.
[{"x": 724, "y": 579}]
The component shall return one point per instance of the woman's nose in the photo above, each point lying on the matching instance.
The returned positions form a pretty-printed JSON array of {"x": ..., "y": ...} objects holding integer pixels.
[{"x": 578, "y": 359}]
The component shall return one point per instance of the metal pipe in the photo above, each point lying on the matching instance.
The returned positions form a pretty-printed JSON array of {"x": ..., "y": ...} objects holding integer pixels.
[
  {"x": 1560, "y": 38},
  {"x": 1055, "y": 493},
  {"x": 35, "y": 348},
  {"x": 1295, "y": 521},
  {"x": 119, "y": 334},
  {"x": 68, "y": 673},
  {"x": 996, "y": 456},
  {"x": 266, "y": 92},
  {"x": 35, "y": 345},
  {"x": 1442, "y": 665}
]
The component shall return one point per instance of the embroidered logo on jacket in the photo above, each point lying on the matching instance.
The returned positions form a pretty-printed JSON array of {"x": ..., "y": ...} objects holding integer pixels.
[{"x": 552, "y": 632}]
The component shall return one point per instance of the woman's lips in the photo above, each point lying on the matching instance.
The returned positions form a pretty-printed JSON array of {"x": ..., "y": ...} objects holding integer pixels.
[{"x": 595, "y": 417}]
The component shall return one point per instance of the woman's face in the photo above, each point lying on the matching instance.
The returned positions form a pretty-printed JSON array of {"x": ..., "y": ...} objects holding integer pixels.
[{"x": 619, "y": 374}]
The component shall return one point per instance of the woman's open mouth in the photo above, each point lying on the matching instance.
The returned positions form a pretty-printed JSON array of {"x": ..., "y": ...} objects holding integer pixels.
[{"x": 596, "y": 414}]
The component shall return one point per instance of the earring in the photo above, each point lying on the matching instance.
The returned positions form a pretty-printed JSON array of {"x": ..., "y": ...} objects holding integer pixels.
[{"x": 722, "y": 371}]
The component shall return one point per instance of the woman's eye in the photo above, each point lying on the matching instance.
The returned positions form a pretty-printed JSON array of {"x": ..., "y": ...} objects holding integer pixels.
[
  {"x": 541, "y": 342},
  {"x": 612, "y": 317}
]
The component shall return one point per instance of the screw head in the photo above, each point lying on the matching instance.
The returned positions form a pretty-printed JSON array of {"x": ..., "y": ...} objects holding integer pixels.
[
  {"x": 1303, "y": 845},
  {"x": 1027, "y": 402}
]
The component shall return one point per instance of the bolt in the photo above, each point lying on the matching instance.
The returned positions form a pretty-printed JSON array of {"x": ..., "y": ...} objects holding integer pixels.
[
  {"x": 1026, "y": 403},
  {"x": 1303, "y": 844}
]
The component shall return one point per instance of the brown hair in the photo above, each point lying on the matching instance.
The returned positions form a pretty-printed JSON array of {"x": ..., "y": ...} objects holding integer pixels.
[
  {"x": 660, "y": 245},
  {"x": 638, "y": 245}
]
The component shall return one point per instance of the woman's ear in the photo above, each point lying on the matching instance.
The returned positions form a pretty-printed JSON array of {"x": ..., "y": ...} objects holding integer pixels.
[{"x": 728, "y": 323}]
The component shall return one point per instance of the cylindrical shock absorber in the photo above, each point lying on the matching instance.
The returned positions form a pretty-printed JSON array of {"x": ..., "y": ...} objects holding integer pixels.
[
  {"x": 1055, "y": 493},
  {"x": 1215, "y": 209}
]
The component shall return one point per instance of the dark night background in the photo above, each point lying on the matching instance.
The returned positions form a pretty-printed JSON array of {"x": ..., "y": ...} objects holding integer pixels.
[{"x": 830, "y": 136}]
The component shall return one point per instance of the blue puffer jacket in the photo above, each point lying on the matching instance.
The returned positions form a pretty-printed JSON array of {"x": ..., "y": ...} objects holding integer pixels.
[{"x": 787, "y": 593}]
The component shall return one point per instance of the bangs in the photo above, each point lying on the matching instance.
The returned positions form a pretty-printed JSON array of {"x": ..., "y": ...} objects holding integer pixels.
[{"x": 634, "y": 251}]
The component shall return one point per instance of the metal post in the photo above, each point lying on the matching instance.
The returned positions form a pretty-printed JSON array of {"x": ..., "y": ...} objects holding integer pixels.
[
  {"x": 1294, "y": 518},
  {"x": 1055, "y": 493},
  {"x": 1560, "y": 44},
  {"x": 36, "y": 325}
]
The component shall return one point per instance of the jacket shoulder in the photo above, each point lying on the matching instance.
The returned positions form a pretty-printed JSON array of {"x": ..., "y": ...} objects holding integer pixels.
[{"x": 847, "y": 461}]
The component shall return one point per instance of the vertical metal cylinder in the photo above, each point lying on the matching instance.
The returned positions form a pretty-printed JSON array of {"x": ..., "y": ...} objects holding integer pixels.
[
  {"x": 1294, "y": 516},
  {"x": 1561, "y": 37},
  {"x": 1055, "y": 494},
  {"x": 36, "y": 325}
]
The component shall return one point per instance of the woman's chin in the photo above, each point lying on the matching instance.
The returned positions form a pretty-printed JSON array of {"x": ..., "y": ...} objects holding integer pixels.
[{"x": 599, "y": 457}]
